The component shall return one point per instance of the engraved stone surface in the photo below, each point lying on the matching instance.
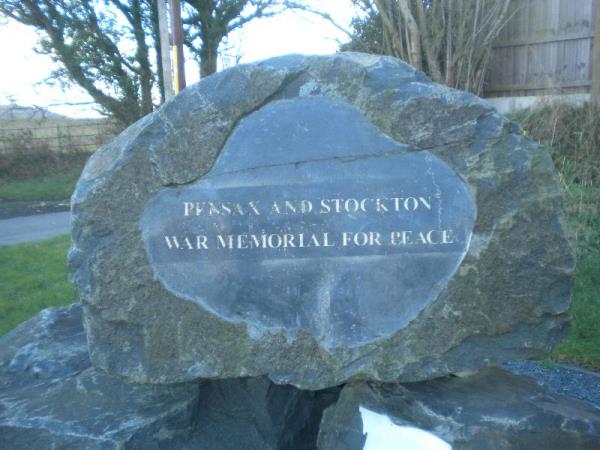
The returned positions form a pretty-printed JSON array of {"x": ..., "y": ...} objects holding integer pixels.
[
  {"x": 471, "y": 264},
  {"x": 350, "y": 250}
]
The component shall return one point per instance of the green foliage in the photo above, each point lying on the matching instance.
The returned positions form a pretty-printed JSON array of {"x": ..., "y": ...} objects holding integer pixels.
[
  {"x": 582, "y": 346},
  {"x": 583, "y": 209},
  {"x": 111, "y": 48},
  {"x": 32, "y": 277},
  {"x": 101, "y": 45},
  {"x": 573, "y": 134},
  {"x": 207, "y": 24},
  {"x": 35, "y": 173},
  {"x": 367, "y": 32},
  {"x": 58, "y": 186},
  {"x": 36, "y": 161}
]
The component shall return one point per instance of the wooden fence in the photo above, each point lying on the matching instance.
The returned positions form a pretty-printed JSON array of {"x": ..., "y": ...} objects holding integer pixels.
[
  {"x": 55, "y": 135},
  {"x": 545, "y": 48}
]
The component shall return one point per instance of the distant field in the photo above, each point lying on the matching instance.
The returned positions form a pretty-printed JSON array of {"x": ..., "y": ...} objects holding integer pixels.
[
  {"x": 55, "y": 135},
  {"x": 42, "y": 159},
  {"x": 57, "y": 186}
]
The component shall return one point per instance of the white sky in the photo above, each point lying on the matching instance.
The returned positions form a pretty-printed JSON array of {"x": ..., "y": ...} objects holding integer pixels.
[{"x": 24, "y": 71}]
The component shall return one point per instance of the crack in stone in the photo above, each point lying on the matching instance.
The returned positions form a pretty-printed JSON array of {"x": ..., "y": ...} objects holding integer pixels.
[
  {"x": 285, "y": 82},
  {"x": 349, "y": 159}
]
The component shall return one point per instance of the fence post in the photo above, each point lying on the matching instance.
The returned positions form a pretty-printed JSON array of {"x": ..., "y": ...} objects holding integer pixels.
[
  {"x": 163, "y": 26},
  {"x": 178, "y": 61},
  {"x": 596, "y": 59},
  {"x": 58, "y": 139}
]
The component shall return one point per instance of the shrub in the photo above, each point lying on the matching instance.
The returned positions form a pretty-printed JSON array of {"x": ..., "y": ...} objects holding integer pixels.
[
  {"x": 28, "y": 157},
  {"x": 573, "y": 134}
]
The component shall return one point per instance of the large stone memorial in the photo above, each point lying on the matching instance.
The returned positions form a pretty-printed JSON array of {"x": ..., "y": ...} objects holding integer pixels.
[
  {"x": 317, "y": 220},
  {"x": 307, "y": 252}
]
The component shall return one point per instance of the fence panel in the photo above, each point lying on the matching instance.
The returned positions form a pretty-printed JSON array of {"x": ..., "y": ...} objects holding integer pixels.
[
  {"x": 545, "y": 48},
  {"x": 55, "y": 135}
]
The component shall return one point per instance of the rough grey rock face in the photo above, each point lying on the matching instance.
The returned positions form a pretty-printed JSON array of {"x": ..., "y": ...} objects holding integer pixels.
[
  {"x": 50, "y": 345},
  {"x": 254, "y": 414},
  {"x": 51, "y": 397},
  {"x": 492, "y": 410},
  {"x": 502, "y": 292}
]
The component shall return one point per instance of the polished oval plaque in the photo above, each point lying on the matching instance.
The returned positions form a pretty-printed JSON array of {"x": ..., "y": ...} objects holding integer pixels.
[{"x": 346, "y": 242}]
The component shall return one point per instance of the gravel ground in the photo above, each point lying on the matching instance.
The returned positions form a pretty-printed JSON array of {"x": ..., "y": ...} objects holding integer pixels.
[{"x": 567, "y": 380}]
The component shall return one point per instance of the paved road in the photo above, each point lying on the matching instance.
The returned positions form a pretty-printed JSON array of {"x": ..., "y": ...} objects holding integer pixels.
[{"x": 33, "y": 228}]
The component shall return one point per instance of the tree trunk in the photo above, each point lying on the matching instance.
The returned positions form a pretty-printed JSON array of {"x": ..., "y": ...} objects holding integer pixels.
[
  {"x": 390, "y": 29},
  {"x": 142, "y": 58},
  {"x": 449, "y": 50},
  {"x": 208, "y": 57},
  {"x": 414, "y": 46},
  {"x": 429, "y": 46}
]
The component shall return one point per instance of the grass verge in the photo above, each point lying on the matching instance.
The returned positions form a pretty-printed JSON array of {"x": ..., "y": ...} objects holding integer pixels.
[
  {"x": 33, "y": 277},
  {"x": 38, "y": 174},
  {"x": 573, "y": 134},
  {"x": 582, "y": 345},
  {"x": 57, "y": 186}
]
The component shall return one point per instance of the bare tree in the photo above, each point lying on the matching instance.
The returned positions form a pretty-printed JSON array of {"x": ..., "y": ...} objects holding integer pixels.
[{"x": 449, "y": 39}]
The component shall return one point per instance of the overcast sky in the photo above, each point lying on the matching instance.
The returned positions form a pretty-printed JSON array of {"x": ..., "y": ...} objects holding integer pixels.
[{"x": 24, "y": 71}]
